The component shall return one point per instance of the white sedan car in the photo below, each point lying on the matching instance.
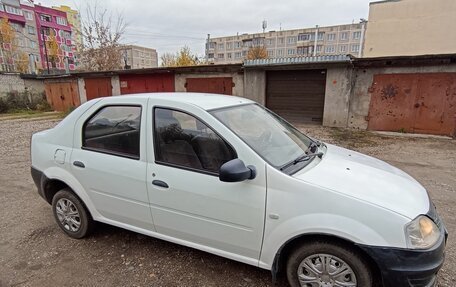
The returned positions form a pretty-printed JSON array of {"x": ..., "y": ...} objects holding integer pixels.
[{"x": 225, "y": 175}]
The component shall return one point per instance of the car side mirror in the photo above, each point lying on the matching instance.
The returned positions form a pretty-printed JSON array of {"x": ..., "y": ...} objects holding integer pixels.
[{"x": 236, "y": 171}]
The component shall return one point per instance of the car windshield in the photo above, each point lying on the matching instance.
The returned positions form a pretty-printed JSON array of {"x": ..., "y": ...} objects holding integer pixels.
[{"x": 270, "y": 136}]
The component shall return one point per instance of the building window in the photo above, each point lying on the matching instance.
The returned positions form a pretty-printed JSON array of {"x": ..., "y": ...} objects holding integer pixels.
[
  {"x": 355, "y": 48},
  {"x": 343, "y": 49},
  {"x": 62, "y": 21},
  {"x": 32, "y": 44},
  {"x": 237, "y": 55},
  {"x": 330, "y": 49},
  {"x": 210, "y": 55},
  {"x": 319, "y": 48},
  {"x": 238, "y": 44},
  {"x": 280, "y": 52},
  {"x": 221, "y": 46},
  {"x": 321, "y": 36},
  {"x": 28, "y": 15},
  {"x": 291, "y": 40},
  {"x": 304, "y": 37},
  {"x": 331, "y": 37},
  {"x": 229, "y": 55},
  {"x": 211, "y": 45},
  {"x": 66, "y": 35},
  {"x": 45, "y": 18},
  {"x": 258, "y": 42},
  {"x": 291, "y": 52},
  {"x": 16, "y": 27},
  {"x": 244, "y": 53},
  {"x": 344, "y": 36},
  {"x": 221, "y": 56},
  {"x": 280, "y": 41},
  {"x": 357, "y": 35},
  {"x": 270, "y": 42},
  {"x": 31, "y": 29},
  {"x": 229, "y": 45},
  {"x": 13, "y": 10},
  {"x": 1, "y": 7},
  {"x": 46, "y": 31},
  {"x": 248, "y": 43},
  {"x": 270, "y": 53}
]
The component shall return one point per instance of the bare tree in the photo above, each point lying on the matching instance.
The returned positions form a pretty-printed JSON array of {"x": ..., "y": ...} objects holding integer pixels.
[{"x": 101, "y": 32}]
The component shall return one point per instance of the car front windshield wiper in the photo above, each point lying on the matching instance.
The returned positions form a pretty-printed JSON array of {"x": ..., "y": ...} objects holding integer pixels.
[{"x": 304, "y": 157}]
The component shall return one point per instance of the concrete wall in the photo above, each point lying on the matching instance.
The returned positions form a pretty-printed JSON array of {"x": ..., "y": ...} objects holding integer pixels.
[
  {"x": 82, "y": 91},
  {"x": 411, "y": 27},
  {"x": 238, "y": 79},
  {"x": 255, "y": 85},
  {"x": 115, "y": 83},
  {"x": 360, "y": 95},
  {"x": 14, "y": 83},
  {"x": 337, "y": 96}
]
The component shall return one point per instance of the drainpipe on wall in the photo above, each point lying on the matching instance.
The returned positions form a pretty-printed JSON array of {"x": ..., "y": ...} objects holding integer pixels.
[
  {"x": 316, "y": 40},
  {"x": 361, "y": 41},
  {"x": 207, "y": 48}
]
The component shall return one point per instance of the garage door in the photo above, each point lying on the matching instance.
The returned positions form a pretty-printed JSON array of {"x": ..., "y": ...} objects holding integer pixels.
[
  {"x": 298, "y": 96},
  {"x": 417, "y": 103},
  {"x": 153, "y": 83},
  {"x": 62, "y": 95},
  {"x": 98, "y": 87},
  {"x": 218, "y": 85}
]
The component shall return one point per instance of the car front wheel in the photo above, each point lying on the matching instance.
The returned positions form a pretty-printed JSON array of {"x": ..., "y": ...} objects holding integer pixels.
[
  {"x": 327, "y": 264},
  {"x": 71, "y": 215}
]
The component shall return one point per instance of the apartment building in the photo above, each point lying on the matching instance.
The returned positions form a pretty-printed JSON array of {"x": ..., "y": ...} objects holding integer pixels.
[
  {"x": 16, "y": 52},
  {"x": 74, "y": 19},
  {"x": 137, "y": 57},
  {"x": 53, "y": 26},
  {"x": 411, "y": 27},
  {"x": 35, "y": 25},
  {"x": 317, "y": 41}
]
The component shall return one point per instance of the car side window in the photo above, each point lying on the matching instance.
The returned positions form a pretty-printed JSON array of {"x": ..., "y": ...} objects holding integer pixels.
[
  {"x": 114, "y": 130},
  {"x": 183, "y": 140}
]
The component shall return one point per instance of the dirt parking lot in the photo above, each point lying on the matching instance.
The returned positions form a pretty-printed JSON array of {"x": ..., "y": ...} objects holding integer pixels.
[{"x": 34, "y": 252}]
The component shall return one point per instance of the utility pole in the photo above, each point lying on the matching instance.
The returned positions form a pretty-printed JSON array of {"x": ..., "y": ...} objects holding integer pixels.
[
  {"x": 45, "y": 51},
  {"x": 207, "y": 48}
]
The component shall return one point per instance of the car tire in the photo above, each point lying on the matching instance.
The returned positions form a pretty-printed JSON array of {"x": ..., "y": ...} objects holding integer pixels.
[
  {"x": 71, "y": 214},
  {"x": 305, "y": 263}
]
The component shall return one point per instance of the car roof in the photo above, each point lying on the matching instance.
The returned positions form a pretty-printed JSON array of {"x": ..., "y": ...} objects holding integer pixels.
[{"x": 205, "y": 101}]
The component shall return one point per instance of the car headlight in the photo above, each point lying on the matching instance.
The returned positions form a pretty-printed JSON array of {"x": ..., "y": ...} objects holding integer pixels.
[{"x": 421, "y": 233}]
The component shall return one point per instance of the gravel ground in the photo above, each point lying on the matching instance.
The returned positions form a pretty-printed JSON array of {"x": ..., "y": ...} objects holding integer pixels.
[{"x": 34, "y": 252}]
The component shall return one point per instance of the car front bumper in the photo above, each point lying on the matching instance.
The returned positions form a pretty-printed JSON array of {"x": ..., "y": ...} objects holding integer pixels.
[{"x": 411, "y": 267}]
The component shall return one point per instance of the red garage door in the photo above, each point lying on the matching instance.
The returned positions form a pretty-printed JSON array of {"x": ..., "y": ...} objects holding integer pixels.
[
  {"x": 98, "y": 87},
  {"x": 418, "y": 103},
  {"x": 219, "y": 85},
  {"x": 153, "y": 83}
]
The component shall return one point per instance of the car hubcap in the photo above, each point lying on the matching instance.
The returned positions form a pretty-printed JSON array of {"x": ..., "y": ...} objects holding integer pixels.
[
  {"x": 324, "y": 270},
  {"x": 68, "y": 214}
]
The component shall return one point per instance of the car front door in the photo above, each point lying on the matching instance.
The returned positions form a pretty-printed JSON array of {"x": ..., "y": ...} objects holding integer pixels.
[
  {"x": 109, "y": 160},
  {"x": 188, "y": 201}
]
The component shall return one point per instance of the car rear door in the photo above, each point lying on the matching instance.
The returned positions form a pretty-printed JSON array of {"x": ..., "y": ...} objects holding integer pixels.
[
  {"x": 109, "y": 160},
  {"x": 188, "y": 201}
]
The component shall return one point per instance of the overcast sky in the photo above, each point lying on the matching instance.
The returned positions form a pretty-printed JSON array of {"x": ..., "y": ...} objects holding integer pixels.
[{"x": 167, "y": 25}]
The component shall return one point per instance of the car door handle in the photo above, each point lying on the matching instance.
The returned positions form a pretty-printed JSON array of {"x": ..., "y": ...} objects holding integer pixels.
[
  {"x": 78, "y": 164},
  {"x": 160, "y": 183}
]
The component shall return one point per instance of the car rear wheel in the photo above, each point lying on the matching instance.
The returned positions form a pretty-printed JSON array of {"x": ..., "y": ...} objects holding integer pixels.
[
  {"x": 71, "y": 215},
  {"x": 326, "y": 264}
]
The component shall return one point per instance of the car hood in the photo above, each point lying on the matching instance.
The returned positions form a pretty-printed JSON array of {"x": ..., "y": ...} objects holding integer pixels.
[{"x": 368, "y": 179}]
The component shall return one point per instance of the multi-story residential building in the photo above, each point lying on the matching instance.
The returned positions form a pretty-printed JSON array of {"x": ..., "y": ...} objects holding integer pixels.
[
  {"x": 15, "y": 54},
  {"x": 411, "y": 27},
  {"x": 331, "y": 40},
  {"x": 137, "y": 57},
  {"x": 74, "y": 19},
  {"x": 54, "y": 29}
]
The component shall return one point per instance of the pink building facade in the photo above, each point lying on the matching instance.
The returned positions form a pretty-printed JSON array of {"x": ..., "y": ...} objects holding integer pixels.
[{"x": 51, "y": 22}]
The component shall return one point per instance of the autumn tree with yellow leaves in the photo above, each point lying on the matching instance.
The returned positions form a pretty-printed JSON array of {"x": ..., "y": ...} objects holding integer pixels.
[
  {"x": 7, "y": 45},
  {"x": 53, "y": 48},
  {"x": 184, "y": 57},
  {"x": 257, "y": 52}
]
